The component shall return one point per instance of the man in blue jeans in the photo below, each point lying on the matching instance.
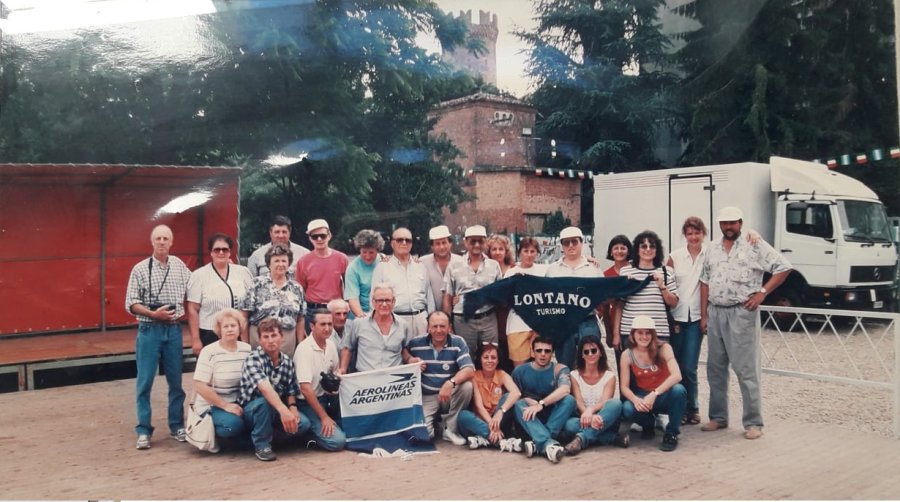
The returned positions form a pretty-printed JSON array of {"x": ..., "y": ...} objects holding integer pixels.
[
  {"x": 269, "y": 391},
  {"x": 546, "y": 403},
  {"x": 315, "y": 355},
  {"x": 155, "y": 295}
]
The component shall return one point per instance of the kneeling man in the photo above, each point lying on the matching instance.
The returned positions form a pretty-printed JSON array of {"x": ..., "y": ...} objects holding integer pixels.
[
  {"x": 315, "y": 355},
  {"x": 446, "y": 373},
  {"x": 269, "y": 391}
]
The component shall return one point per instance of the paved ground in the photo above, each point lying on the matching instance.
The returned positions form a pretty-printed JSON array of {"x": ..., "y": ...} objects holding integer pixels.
[{"x": 77, "y": 443}]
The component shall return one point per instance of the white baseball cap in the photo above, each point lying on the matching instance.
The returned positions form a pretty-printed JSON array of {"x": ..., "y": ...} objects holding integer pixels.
[
  {"x": 730, "y": 213},
  {"x": 569, "y": 232},
  {"x": 316, "y": 224},
  {"x": 476, "y": 231},
  {"x": 439, "y": 232},
  {"x": 643, "y": 322}
]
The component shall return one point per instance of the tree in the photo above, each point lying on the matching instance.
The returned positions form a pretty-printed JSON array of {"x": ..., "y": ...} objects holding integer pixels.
[
  {"x": 603, "y": 79},
  {"x": 317, "y": 102},
  {"x": 554, "y": 223}
]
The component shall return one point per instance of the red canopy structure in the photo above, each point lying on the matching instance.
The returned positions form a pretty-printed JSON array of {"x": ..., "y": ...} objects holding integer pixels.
[{"x": 70, "y": 234}]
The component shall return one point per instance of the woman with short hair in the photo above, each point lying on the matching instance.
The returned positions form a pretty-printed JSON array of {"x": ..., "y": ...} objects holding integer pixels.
[
  {"x": 279, "y": 296},
  {"x": 358, "y": 278}
]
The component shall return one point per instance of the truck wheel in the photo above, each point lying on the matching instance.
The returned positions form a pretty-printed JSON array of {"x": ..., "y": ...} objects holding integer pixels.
[{"x": 785, "y": 297}]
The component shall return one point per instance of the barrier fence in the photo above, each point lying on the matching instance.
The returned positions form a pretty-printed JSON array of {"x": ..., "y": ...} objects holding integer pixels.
[{"x": 843, "y": 346}]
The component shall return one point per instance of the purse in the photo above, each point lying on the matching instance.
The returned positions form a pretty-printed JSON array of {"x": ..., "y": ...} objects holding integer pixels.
[
  {"x": 200, "y": 430},
  {"x": 674, "y": 327}
]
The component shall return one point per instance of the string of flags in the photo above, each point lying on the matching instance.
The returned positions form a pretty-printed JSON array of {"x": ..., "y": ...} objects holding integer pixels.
[
  {"x": 564, "y": 173},
  {"x": 860, "y": 158}
]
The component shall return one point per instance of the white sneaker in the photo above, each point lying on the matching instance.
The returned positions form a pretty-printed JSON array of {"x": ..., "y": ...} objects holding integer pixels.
[
  {"x": 476, "y": 442},
  {"x": 554, "y": 453},
  {"x": 454, "y": 438},
  {"x": 530, "y": 448},
  {"x": 143, "y": 442},
  {"x": 636, "y": 428},
  {"x": 515, "y": 445},
  {"x": 662, "y": 421}
]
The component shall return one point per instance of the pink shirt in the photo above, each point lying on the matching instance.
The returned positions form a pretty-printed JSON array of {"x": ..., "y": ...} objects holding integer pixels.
[{"x": 322, "y": 278}]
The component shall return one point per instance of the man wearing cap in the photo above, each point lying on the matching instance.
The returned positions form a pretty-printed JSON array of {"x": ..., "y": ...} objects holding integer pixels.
[
  {"x": 410, "y": 282},
  {"x": 279, "y": 233},
  {"x": 321, "y": 272},
  {"x": 574, "y": 264},
  {"x": 731, "y": 289},
  {"x": 437, "y": 262},
  {"x": 475, "y": 271}
]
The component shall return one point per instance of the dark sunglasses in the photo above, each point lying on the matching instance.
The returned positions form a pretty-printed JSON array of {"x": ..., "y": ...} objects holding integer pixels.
[
  {"x": 590, "y": 352},
  {"x": 403, "y": 240},
  {"x": 648, "y": 245},
  {"x": 318, "y": 237},
  {"x": 569, "y": 242},
  {"x": 543, "y": 351},
  {"x": 221, "y": 250}
]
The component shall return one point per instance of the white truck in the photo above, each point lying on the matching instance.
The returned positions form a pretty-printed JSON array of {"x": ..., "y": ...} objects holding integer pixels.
[{"x": 831, "y": 227}]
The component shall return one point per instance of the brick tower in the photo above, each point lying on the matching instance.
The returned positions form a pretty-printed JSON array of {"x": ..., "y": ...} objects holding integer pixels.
[{"x": 478, "y": 64}]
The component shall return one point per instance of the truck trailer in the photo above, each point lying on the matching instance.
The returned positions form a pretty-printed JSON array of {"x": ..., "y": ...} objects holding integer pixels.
[{"x": 831, "y": 227}]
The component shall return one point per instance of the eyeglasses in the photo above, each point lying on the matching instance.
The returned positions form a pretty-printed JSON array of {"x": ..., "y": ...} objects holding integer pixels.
[
  {"x": 569, "y": 242},
  {"x": 472, "y": 240},
  {"x": 403, "y": 240},
  {"x": 590, "y": 352},
  {"x": 648, "y": 245},
  {"x": 383, "y": 300},
  {"x": 543, "y": 351},
  {"x": 221, "y": 250},
  {"x": 318, "y": 237}
]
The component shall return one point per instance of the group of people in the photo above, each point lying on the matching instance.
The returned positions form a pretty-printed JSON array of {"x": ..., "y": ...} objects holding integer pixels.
[{"x": 267, "y": 335}]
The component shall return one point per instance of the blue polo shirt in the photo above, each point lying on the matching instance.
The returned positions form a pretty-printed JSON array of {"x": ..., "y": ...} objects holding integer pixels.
[{"x": 441, "y": 365}]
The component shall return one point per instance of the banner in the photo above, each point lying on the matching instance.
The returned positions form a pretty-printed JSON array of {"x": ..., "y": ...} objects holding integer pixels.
[
  {"x": 552, "y": 306},
  {"x": 383, "y": 409}
]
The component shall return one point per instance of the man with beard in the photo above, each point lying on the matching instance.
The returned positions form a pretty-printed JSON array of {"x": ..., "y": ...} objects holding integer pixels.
[{"x": 731, "y": 290}]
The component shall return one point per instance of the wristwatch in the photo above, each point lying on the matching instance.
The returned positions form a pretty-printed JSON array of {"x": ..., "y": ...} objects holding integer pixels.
[
  {"x": 763, "y": 290},
  {"x": 453, "y": 382},
  {"x": 541, "y": 402}
]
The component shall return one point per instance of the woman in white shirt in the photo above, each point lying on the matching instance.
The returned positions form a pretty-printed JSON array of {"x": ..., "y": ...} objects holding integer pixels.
[
  {"x": 594, "y": 388},
  {"x": 218, "y": 374},
  {"x": 687, "y": 263}
]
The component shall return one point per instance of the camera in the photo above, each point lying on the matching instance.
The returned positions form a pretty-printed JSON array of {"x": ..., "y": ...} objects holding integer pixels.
[{"x": 156, "y": 306}]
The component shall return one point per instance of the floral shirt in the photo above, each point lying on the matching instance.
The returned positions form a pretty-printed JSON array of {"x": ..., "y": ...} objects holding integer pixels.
[
  {"x": 733, "y": 277},
  {"x": 266, "y": 300}
]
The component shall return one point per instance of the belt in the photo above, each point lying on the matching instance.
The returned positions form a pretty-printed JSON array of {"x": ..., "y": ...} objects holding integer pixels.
[
  {"x": 414, "y": 312},
  {"x": 477, "y": 316},
  {"x": 315, "y": 305}
]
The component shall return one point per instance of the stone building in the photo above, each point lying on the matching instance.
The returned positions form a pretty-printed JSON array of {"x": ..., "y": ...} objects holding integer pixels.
[{"x": 496, "y": 136}]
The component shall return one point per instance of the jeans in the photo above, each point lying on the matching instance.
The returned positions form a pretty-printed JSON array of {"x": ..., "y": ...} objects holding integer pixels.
[
  {"x": 544, "y": 428},
  {"x": 259, "y": 418},
  {"x": 686, "y": 345},
  {"x": 336, "y": 440},
  {"x": 611, "y": 412},
  {"x": 673, "y": 402},
  {"x": 157, "y": 341},
  {"x": 565, "y": 352},
  {"x": 470, "y": 424},
  {"x": 228, "y": 425}
]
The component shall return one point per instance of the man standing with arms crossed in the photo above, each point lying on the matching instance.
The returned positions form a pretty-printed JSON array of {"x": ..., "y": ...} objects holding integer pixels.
[
  {"x": 410, "y": 282},
  {"x": 731, "y": 290},
  {"x": 155, "y": 295}
]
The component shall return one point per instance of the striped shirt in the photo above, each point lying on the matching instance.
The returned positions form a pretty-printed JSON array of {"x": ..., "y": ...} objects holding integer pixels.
[
  {"x": 440, "y": 365},
  {"x": 168, "y": 283},
  {"x": 215, "y": 293},
  {"x": 221, "y": 370},
  {"x": 648, "y": 301},
  {"x": 258, "y": 367}
]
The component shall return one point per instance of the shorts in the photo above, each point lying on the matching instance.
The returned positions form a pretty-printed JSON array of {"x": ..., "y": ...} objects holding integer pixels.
[{"x": 519, "y": 344}]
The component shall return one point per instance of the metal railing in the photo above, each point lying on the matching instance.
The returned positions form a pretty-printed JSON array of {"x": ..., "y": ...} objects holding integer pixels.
[{"x": 844, "y": 346}]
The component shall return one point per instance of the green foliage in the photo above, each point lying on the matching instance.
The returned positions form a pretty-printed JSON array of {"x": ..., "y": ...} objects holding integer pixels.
[
  {"x": 603, "y": 79},
  {"x": 341, "y": 84},
  {"x": 555, "y": 223}
]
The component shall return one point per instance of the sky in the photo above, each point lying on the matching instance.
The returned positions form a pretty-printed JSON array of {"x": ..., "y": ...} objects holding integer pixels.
[{"x": 511, "y": 15}]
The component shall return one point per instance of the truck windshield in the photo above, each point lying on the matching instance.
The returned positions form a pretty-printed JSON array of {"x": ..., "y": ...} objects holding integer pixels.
[{"x": 863, "y": 221}]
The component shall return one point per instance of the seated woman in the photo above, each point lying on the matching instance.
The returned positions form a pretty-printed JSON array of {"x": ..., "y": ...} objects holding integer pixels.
[
  {"x": 218, "y": 374},
  {"x": 482, "y": 426},
  {"x": 594, "y": 388},
  {"x": 649, "y": 376}
]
